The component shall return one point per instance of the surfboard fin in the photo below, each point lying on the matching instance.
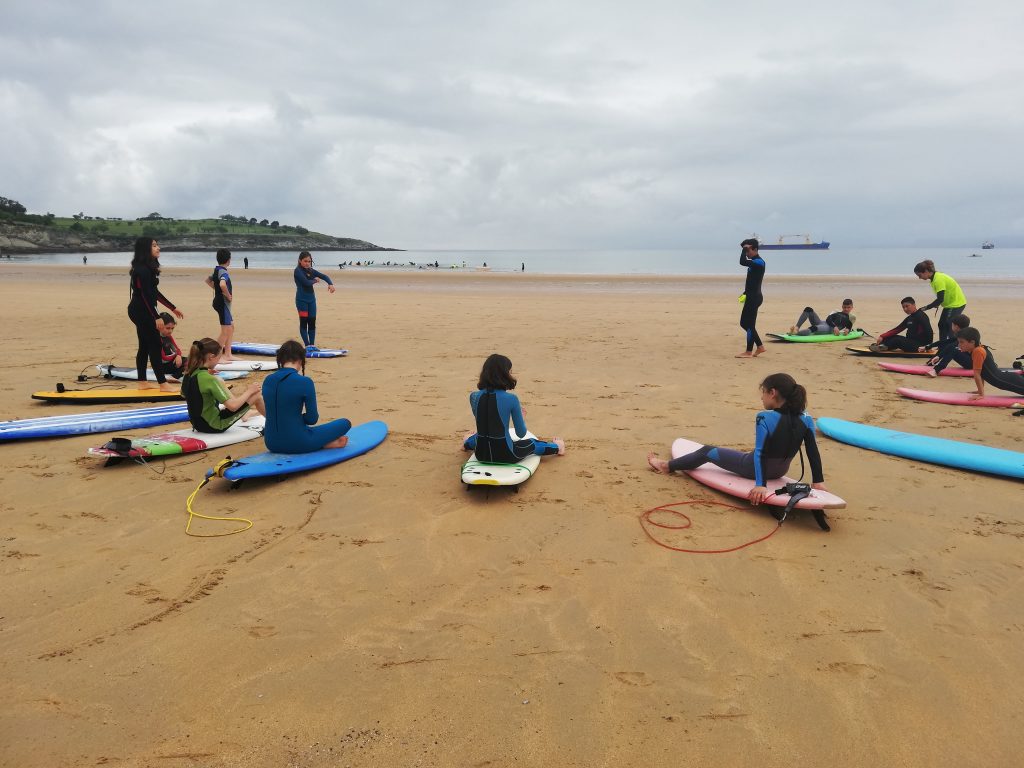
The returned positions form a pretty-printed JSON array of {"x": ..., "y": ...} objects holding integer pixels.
[{"x": 819, "y": 517}]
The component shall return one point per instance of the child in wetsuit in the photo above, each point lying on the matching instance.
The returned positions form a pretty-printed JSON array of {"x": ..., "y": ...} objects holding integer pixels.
[
  {"x": 291, "y": 408},
  {"x": 223, "y": 295},
  {"x": 948, "y": 350},
  {"x": 211, "y": 408},
  {"x": 779, "y": 432},
  {"x": 984, "y": 365},
  {"x": 916, "y": 324},
  {"x": 838, "y": 323},
  {"x": 170, "y": 353},
  {"x": 305, "y": 299},
  {"x": 494, "y": 406}
]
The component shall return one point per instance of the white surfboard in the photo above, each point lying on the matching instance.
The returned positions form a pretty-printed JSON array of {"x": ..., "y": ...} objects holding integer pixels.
[
  {"x": 475, "y": 472},
  {"x": 246, "y": 365},
  {"x": 131, "y": 374}
]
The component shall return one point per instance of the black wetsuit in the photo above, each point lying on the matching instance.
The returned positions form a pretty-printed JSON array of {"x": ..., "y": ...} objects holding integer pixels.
[
  {"x": 919, "y": 333},
  {"x": 143, "y": 312},
  {"x": 990, "y": 374},
  {"x": 752, "y": 291}
]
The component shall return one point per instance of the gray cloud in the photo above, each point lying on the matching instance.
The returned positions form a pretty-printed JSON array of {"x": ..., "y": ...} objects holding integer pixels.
[{"x": 467, "y": 124}]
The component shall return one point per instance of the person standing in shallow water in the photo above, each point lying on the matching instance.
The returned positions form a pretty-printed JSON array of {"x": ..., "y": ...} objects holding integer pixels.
[{"x": 751, "y": 298}]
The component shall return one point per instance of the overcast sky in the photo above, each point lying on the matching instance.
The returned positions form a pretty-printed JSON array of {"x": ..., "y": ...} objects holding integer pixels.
[{"x": 555, "y": 124}]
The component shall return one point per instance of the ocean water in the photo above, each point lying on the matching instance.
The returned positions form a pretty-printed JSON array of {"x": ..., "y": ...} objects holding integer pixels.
[{"x": 838, "y": 261}]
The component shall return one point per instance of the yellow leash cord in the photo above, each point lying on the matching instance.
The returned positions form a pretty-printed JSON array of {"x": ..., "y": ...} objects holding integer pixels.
[{"x": 218, "y": 471}]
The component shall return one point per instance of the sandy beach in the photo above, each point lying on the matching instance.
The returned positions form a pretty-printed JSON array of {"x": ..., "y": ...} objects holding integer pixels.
[{"x": 378, "y": 614}]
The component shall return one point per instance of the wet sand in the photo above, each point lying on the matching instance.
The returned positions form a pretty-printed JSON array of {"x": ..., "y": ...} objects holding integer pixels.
[{"x": 378, "y": 614}]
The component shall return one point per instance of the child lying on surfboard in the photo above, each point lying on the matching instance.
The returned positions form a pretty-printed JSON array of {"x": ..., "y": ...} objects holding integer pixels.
[
  {"x": 780, "y": 430},
  {"x": 984, "y": 365}
]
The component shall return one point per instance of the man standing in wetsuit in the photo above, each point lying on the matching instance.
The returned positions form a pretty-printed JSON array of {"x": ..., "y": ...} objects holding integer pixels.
[{"x": 751, "y": 297}]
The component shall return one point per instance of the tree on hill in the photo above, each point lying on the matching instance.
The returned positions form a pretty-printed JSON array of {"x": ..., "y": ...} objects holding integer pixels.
[
  {"x": 264, "y": 223},
  {"x": 11, "y": 206},
  {"x": 275, "y": 224}
]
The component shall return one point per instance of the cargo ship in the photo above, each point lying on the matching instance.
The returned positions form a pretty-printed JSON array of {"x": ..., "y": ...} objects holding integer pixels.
[{"x": 806, "y": 245}]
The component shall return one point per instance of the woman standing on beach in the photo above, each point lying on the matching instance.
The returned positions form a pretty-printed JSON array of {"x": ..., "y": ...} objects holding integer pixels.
[
  {"x": 142, "y": 310},
  {"x": 947, "y": 293},
  {"x": 751, "y": 297},
  {"x": 305, "y": 300},
  {"x": 779, "y": 432}
]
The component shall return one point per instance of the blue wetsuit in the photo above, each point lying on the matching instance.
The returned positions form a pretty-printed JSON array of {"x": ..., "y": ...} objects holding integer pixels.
[
  {"x": 291, "y": 408},
  {"x": 752, "y": 290},
  {"x": 305, "y": 302},
  {"x": 493, "y": 409},
  {"x": 220, "y": 304},
  {"x": 778, "y": 439}
]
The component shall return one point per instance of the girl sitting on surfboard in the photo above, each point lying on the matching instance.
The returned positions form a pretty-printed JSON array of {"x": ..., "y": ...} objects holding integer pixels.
[
  {"x": 493, "y": 407},
  {"x": 291, "y": 408},
  {"x": 778, "y": 434},
  {"x": 205, "y": 393}
]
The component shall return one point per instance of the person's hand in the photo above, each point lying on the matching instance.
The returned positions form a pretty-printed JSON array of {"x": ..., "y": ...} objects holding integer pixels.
[
  {"x": 177, "y": 361},
  {"x": 933, "y": 361},
  {"x": 975, "y": 396},
  {"x": 331, "y": 289},
  {"x": 757, "y": 494},
  {"x": 845, "y": 332},
  {"x": 159, "y": 325},
  {"x": 178, "y": 314}
]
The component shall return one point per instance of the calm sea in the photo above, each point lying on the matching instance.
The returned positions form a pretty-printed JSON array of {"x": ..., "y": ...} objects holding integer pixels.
[{"x": 866, "y": 262}]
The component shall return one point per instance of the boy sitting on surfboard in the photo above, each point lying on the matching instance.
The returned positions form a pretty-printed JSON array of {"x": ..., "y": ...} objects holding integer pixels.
[
  {"x": 916, "y": 324},
  {"x": 838, "y": 323},
  {"x": 984, "y": 365}
]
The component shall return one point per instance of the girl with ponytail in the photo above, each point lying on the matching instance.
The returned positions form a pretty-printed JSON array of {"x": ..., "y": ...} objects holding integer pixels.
[
  {"x": 779, "y": 432},
  {"x": 211, "y": 408}
]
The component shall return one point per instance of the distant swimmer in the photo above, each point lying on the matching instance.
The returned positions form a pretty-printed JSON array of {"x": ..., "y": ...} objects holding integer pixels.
[
  {"x": 838, "y": 323},
  {"x": 752, "y": 297}
]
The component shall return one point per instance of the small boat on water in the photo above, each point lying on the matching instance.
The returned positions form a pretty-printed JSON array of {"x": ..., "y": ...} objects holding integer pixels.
[
  {"x": 988, "y": 245},
  {"x": 806, "y": 245}
]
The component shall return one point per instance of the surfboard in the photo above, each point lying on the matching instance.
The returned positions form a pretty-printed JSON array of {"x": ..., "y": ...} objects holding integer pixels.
[
  {"x": 92, "y": 422},
  {"x": 183, "y": 441},
  {"x": 251, "y": 348},
  {"x": 866, "y": 352},
  {"x": 963, "y": 398},
  {"x": 816, "y": 337},
  {"x": 246, "y": 365},
  {"x": 118, "y": 372},
  {"x": 734, "y": 485},
  {"x": 933, "y": 450},
  {"x": 100, "y": 396},
  {"x": 361, "y": 438},
  {"x": 922, "y": 370},
  {"x": 475, "y": 472}
]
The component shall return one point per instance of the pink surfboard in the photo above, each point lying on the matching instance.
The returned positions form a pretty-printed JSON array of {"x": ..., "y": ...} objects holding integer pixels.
[
  {"x": 963, "y": 398},
  {"x": 734, "y": 485},
  {"x": 922, "y": 370}
]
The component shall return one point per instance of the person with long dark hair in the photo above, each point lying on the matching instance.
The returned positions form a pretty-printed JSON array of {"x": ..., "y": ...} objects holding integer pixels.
[
  {"x": 290, "y": 399},
  {"x": 779, "y": 432},
  {"x": 305, "y": 300},
  {"x": 752, "y": 297},
  {"x": 948, "y": 295},
  {"x": 211, "y": 407},
  {"x": 144, "y": 294},
  {"x": 494, "y": 406}
]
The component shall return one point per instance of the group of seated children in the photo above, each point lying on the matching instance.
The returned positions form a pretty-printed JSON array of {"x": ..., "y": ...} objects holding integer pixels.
[{"x": 287, "y": 398}]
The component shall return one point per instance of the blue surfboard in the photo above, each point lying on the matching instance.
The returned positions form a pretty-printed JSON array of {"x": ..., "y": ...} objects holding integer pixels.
[
  {"x": 251, "y": 348},
  {"x": 934, "y": 450},
  {"x": 361, "y": 438},
  {"x": 93, "y": 422}
]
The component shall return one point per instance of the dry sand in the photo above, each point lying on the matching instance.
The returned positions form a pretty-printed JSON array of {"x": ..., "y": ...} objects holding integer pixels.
[{"x": 377, "y": 614}]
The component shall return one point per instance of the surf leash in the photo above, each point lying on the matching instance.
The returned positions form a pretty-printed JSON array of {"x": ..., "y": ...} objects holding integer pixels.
[
  {"x": 668, "y": 509},
  {"x": 217, "y": 471}
]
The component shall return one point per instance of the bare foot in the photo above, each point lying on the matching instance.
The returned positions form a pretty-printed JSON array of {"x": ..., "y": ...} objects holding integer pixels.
[
  {"x": 166, "y": 387},
  {"x": 341, "y": 442},
  {"x": 759, "y": 351},
  {"x": 746, "y": 354},
  {"x": 561, "y": 445},
  {"x": 931, "y": 372},
  {"x": 146, "y": 385},
  {"x": 658, "y": 465},
  {"x": 792, "y": 329}
]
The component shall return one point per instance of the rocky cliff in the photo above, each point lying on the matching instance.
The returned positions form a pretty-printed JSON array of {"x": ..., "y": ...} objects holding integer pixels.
[{"x": 17, "y": 237}]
